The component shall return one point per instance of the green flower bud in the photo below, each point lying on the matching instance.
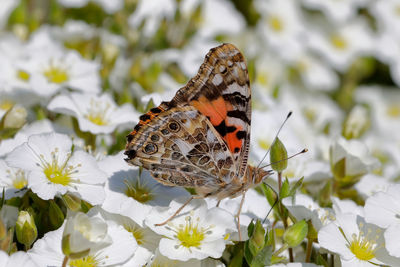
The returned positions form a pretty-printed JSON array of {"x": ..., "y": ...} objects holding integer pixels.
[
  {"x": 295, "y": 234},
  {"x": 72, "y": 202},
  {"x": 15, "y": 118},
  {"x": 278, "y": 156},
  {"x": 26, "y": 229},
  {"x": 55, "y": 214},
  {"x": 257, "y": 240}
]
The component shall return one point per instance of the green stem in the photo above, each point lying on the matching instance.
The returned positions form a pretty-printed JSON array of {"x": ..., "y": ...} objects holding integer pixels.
[
  {"x": 309, "y": 249},
  {"x": 279, "y": 251}
]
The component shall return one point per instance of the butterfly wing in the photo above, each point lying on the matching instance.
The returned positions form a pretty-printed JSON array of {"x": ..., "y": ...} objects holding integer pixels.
[
  {"x": 221, "y": 92},
  {"x": 180, "y": 147}
]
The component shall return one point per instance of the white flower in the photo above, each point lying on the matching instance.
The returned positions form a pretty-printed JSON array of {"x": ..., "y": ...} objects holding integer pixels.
[
  {"x": 146, "y": 239},
  {"x": 341, "y": 45},
  {"x": 371, "y": 184},
  {"x": 351, "y": 159},
  {"x": 84, "y": 234},
  {"x": 95, "y": 114},
  {"x": 152, "y": 12},
  {"x": 53, "y": 70},
  {"x": 108, "y": 6},
  {"x": 346, "y": 206},
  {"x": 22, "y": 135},
  {"x": 53, "y": 169},
  {"x": 356, "y": 242},
  {"x": 338, "y": 12},
  {"x": 196, "y": 233},
  {"x": 129, "y": 191},
  {"x": 303, "y": 207},
  {"x": 19, "y": 258},
  {"x": 121, "y": 244},
  {"x": 387, "y": 16},
  {"x": 282, "y": 27},
  {"x": 383, "y": 209},
  {"x": 356, "y": 123},
  {"x": 9, "y": 215},
  {"x": 12, "y": 180}
]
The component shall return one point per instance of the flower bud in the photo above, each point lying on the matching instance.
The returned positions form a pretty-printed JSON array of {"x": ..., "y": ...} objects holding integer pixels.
[
  {"x": 56, "y": 215},
  {"x": 72, "y": 201},
  {"x": 26, "y": 229},
  {"x": 278, "y": 156},
  {"x": 257, "y": 239},
  {"x": 15, "y": 118},
  {"x": 356, "y": 123},
  {"x": 83, "y": 235},
  {"x": 295, "y": 234}
]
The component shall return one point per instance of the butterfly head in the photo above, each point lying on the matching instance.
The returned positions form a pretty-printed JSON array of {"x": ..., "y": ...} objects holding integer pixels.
[{"x": 257, "y": 175}]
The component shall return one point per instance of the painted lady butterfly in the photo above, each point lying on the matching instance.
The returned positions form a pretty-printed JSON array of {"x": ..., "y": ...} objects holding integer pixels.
[{"x": 200, "y": 139}]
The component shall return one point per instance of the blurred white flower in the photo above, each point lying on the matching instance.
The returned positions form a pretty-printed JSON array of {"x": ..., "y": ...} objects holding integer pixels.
[
  {"x": 346, "y": 206},
  {"x": 9, "y": 215},
  {"x": 387, "y": 16},
  {"x": 15, "y": 117},
  {"x": 95, "y": 114},
  {"x": 12, "y": 180},
  {"x": 356, "y": 123},
  {"x": 108, "y": 6},
  {"x": 357, "y": 242},
  {"x": 385, "y": 105},
  {"x": 196, "y": 233},
  {"x": 371, "y": 184},
  {"x": 52, "y": 70},
  {"x": 383, "y": 209},
  {"x": 282, "y": 26},
  {"x": 19, "y": 258},
  {"x": 6, "y": 7},
  {"x": 351, "y": 159},
  {"x": 338, "y": 12},
  {"x": 304, "y": 207},
  {"x": 341, "y": 45},
  {"x": 114, "y": 245},
  {"x": 152, "y": 12},
  {"x": 53, "y": 169},
  {"x": 128, "y": 190}
]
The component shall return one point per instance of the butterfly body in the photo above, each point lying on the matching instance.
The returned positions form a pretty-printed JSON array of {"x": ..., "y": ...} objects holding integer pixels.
[{"x": 200, "y": 139}]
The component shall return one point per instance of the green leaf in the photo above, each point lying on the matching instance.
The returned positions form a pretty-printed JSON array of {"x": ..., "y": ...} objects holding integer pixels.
[
  {"x": 263, "y": 258},
  {"x": 285, "y": 190},
  {"x": 321, "y": 261},
  {"x": 294, "y": 188}
]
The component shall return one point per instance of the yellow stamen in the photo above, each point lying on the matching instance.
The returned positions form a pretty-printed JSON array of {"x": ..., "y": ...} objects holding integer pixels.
[
  {"x": 138, "y": 191},
  {"x": 56, "y": 74},
  {"x": 363, "y": 247},
  {"x": 393, "y": 111},
  {"x": 97, "y": 112},
  {"x": 6, "y": 104},
  {"x": 23, "y": 75},
  {"x": 88, "y": 261},
  {"x": 190, "y": 234}
]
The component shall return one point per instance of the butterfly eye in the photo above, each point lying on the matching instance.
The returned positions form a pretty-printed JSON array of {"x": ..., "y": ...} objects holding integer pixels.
[
  {"x": 173, "y": 126},
  {"x": 150, "y": 148}
]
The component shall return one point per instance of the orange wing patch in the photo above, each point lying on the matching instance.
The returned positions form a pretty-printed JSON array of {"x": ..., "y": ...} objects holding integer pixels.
[{"x": 217, "y": 112}]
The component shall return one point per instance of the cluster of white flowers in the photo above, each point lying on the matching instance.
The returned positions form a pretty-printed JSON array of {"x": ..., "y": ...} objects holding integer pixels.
[{"x": 75, "y": 75}]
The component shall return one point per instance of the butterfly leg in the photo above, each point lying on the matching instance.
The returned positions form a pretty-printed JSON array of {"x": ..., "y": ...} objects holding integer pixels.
[
  {"x": 178, "y": 210},
  {"x": 238, "y": 215},
  {"x": 219, "y": 201}
]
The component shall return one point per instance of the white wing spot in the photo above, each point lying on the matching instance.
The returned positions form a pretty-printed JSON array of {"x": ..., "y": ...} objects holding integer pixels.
[{"x": 217, "y": 80}]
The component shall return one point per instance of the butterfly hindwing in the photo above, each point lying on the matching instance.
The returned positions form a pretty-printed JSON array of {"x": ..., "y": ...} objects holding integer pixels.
[{"x": 181, "y": 148}]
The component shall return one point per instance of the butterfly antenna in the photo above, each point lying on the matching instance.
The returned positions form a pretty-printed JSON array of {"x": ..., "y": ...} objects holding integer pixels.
[
  {"x": 276, "y": 136},
  {"x": 292, "y": 156}
]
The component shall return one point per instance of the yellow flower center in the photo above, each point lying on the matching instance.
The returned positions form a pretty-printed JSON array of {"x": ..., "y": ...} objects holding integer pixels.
[
  {"x": 88, "y": 261},
  {"x": 58, "y": 172},
  {"x": 19, "y": 180},
  {"x": 363, "y": 247},
  {"x": 191, "y": 234},
  {"x": 138, "y": 191},
  {"x": 97, "y": 112},
  {"x": 263, "y": 79},
  {"x": 137, "y": 232},
  {"x": 56, "y": 74},
  {"x": 23, "y": 75},
  {"x": 393, "y": 111},
  {"x": 397, "y": 10},
  {"x": 275, "y": 23},
  {"x": 6, "y": 104},
  {"x": 339, "y": 42}
]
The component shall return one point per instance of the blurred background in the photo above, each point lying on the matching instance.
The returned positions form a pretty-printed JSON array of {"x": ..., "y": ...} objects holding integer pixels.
[{"x": 336, "y": 64}]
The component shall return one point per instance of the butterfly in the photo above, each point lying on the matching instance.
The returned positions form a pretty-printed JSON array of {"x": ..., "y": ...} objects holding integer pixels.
[{"x": 200, "y": 139}]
